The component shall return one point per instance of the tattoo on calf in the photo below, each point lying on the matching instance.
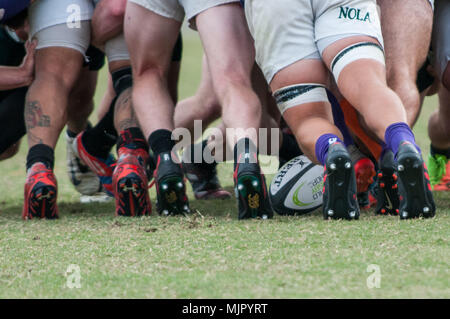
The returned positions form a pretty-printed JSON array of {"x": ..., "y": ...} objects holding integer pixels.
[{"x": 35, "y": 117}]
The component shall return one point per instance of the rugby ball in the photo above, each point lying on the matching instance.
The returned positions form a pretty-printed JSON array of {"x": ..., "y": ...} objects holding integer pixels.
[{"x": 297, "y": 187}]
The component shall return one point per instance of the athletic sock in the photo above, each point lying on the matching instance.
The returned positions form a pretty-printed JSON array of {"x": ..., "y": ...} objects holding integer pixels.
[
  {"x": 132, "y": 138},
  {"x": 396, "y": 134},
  {"x": 437, "y": 151},
  {"x": 98, "y": 143},
  {"x": 99, "y": 139},
  {"x": 160, "y": 141},
  {"x": 245, "y": 151},
  {"x": 289, "y": 148},
  {"x": 41, "y": 153},
  {"x": 322, "y": 145}
]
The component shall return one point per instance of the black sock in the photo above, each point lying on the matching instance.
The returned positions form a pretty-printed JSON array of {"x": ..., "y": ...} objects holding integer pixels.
[
  {"x": 245, "y": 146},
  {"x": 98, "y": 144},
  {"x": 41, "y": 153},
  {"x": 99, "y": 139},
  {"x": 132, "y": 138},
  {"x": 72, "y": 134},
  {"x": 160, "y": 141},
  {"x": 437, "y": 151},
  {"x": 289, "y": 147}
]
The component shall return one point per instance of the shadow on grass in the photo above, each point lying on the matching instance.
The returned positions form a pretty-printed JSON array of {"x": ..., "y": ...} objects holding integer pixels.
[{"x": 214, "y": 209}]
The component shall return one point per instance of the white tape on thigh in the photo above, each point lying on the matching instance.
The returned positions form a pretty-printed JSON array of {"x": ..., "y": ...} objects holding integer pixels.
[
  {"x": 358, "y": 51},
  {"x": 299, "y": 94}
]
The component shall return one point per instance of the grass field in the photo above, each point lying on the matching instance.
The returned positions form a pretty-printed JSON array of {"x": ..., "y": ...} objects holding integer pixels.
[{"x": 211, "y": 254}]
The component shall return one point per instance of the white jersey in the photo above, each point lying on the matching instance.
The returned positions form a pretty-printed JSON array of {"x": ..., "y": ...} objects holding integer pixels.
[{"x": 47, "y": 13}]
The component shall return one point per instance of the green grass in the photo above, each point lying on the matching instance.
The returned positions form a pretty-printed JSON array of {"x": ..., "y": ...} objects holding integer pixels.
[{"x": 211, "y": 254}]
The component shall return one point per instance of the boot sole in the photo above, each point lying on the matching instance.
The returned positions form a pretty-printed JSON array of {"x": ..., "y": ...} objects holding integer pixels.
[
  {"x": 172, "y": 199},
  {"x": 340, "y": 176},
  {"x": 416, "y": 200}
]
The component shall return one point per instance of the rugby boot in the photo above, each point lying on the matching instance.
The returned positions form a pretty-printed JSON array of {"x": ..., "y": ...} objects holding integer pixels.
[
  {"x": 130, "y": 183},
  {"x": 439, "y": 170},
  {"x": 170, "y": 187},
  {"x": 416, "y": 198},
  {"x": 102, "y": 167},
  {"x": 365, "y": 172},
  {"x": 41, "y": 191},
  {"x": 251, "y": 190},
  {"x": 339, "y": 194},
  {"x": 204, "y": 181},
  {"x": 444, "y": 184},
  {"x": 386, "y": 189},
  {"x": 85, "y": 181}
]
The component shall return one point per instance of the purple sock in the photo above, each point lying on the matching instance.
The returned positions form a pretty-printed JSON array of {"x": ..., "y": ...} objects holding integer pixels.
[
  {"x": 396, "y": 134},
  {"x": 322, "y": 145}
]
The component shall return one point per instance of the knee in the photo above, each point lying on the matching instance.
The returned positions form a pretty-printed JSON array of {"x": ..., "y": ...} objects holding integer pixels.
[
  {"x": 52, "y": 79},
  {"x": 57, "y": 73}
]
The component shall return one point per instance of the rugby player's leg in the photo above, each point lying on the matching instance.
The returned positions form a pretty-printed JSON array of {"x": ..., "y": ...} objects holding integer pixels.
[
  {"x": 230, "y": 53},
  {"x": 205, "y": 107},
  {"x": 59, "y": 58},
  {"x": 106, "y": 99},
  {"x": 48, "y": 97},
  {"x": 406, "y": 47},
  {"x": 81, "y": 101},
  {"x": 439, "y": 133},
  {"x": 130, "y": 181},
  {"x": 81, "y": 105},
  {"x": 45, "y": 116},
  {"x": 151, "y": 38},
  {"x": 438, "y": 126},
  {"x": 152, "y": 102},
  {"x": 362, "y": 82},
  {"x": 319, "y": 139},
  {"x": 174, "y": 69}
]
